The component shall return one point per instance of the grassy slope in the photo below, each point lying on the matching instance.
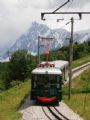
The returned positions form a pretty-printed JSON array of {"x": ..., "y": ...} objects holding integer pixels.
[
  {"x": 77, "y": 100},
  {"x": 81, "y": 61},
  {"x": 10, "y": 101}
]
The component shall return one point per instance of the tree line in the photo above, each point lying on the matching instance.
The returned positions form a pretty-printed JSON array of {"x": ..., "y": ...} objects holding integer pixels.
[
  {"x": 21, "y": 63},
  {"x": 17, "y": 70},
  {"x": 79, "y": 50}
]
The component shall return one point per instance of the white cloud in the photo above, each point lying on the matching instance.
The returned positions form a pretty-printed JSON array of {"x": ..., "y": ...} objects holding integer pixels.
[
  {"x": 15, "y": 18},
  {"x": 73, "y": 3},
  {"x": 17, "y": 15}
]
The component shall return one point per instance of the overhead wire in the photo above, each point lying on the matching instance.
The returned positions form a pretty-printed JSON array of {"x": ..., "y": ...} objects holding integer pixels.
[
  {"x": 64, "y": 25},
  {"x": 62, "y": 17},
  {"x": 61, "y": 6},
  {"x": 61, "y": 34},
  {"x": 70, "y": 5}
]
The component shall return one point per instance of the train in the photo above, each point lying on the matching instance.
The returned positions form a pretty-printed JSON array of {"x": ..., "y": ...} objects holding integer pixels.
[{"x": 47, "y": 80}]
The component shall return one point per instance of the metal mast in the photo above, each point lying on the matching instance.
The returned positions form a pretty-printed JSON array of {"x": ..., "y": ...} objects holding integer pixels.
[
  {"x": 71, "y": 56},
  {"x": 71, "y": 39}
]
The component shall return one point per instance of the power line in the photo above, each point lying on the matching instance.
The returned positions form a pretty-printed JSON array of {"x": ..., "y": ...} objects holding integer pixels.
[
  {"x": 64, "y": 24},
  {"x": 68, "y": 8},
  {"x": 61, "y": 6},
  {"x": 69, "y": 5}
]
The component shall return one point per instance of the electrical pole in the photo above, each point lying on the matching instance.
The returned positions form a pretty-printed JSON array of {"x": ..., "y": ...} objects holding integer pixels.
[
  {"x": 71, "y": 57},
  {"x": 38, "y": 49}
]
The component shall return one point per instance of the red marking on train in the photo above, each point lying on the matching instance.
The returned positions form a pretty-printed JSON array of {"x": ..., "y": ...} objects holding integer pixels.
[
  {"x": 46, "y": 64},
  {"x": 45, "y": 99}
]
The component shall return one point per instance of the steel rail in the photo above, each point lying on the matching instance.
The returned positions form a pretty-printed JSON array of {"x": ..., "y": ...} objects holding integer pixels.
[
  {"x": 56, "y": 116},
  {"x": 61, "y": 114},
  {"x": 46, "y": 114}
]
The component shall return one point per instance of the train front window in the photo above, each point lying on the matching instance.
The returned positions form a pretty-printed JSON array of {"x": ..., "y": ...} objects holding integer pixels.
[
  {"x": 44, "y": 79},
  {"x": 55, "y": 79},
  {"x": 38, "y": 79},
  {"x": 52, "y": 78}
]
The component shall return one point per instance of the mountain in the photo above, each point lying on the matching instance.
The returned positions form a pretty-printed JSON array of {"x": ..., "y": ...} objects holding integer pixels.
[
  {"x": 82, "y": 36},
  {"x": 29, "y": 40}
]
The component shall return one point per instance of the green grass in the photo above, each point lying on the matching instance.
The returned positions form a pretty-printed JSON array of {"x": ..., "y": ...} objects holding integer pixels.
[
  {"x": 80, "y": 102},
  {"x": 82, "y": 81},
  {"x": 77, "y": 104},
  {"x": 81, "y": 61},
  {"x": 11, "y": 100}
]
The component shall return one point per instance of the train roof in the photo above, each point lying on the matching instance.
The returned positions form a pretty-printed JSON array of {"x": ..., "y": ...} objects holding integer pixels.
[
  {"x": 59, "y": 64},
  {"x": 47, "y": 71}
]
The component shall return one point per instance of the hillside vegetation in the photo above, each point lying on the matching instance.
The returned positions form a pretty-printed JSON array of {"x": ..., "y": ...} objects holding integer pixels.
[
  {"x": 81, "y": 61},
  {"x": 14, "y": 89},
  {"x": 79, "y": 51},
  {"x": 17, "y": 70},
  {"x": 80, "y": 98},
  {"x": 11, "y": 100},
  {"x": 21, "y": 63}
]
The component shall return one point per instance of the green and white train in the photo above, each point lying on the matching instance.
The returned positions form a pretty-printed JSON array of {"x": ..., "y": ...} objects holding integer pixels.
[{"x": 47, "y": 79}]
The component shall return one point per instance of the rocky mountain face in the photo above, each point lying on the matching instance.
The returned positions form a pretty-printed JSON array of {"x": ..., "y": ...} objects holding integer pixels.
[{"x": 29, "y": 40}]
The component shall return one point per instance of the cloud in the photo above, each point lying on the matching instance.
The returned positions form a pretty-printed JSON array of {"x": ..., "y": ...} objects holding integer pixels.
[
  {"x": 73, "y": 3},
  {"x": 17, "y": 15},
  {"x": 15, "y": 18}
]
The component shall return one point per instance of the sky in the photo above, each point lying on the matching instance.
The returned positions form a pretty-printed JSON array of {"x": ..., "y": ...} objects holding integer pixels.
[{"x": 16, "y": 16}]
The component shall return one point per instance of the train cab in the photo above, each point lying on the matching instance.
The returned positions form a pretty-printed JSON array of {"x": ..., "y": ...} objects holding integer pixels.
[{"x": 47, "y": 79}]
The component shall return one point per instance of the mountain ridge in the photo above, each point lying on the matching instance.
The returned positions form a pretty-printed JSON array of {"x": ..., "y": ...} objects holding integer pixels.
[{"x": 29, "y": 40}]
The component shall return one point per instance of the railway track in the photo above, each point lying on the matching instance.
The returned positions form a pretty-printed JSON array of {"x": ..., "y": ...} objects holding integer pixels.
[
  {"x": 53, "y": 113},
  {"x": 78, "y": 70}
]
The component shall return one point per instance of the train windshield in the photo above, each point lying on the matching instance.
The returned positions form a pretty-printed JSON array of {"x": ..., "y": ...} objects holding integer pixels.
[{"x": 42, "y": 79}]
